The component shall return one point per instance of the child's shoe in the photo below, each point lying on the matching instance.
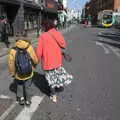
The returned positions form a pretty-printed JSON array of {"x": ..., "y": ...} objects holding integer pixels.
[
  {"x": 53, "y": 98},
  {"x": 28, "y": 102},
  {"x": 21, "y": 100}
]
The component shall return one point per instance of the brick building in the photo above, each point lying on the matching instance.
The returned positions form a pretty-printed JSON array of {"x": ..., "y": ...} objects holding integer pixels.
[
  {"x": 94, "y": 6},
  {"x": 117, "y": 5}
]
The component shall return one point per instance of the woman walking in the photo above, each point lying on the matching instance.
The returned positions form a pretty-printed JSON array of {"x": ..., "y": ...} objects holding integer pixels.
[{"x": 49, "y": 52}]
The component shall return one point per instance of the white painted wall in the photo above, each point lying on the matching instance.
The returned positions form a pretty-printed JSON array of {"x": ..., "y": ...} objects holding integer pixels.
[
  {"x": 72, "y": 13},
  {"x": 65, "y": 3},
  {"x": 37, "y": 1}
]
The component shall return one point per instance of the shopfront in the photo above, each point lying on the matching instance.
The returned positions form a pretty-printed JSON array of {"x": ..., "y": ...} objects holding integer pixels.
[{"x": 21, "y": 16}]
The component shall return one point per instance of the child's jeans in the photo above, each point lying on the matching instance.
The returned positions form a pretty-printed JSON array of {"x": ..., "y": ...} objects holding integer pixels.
[{"x": 24, "y": 88}]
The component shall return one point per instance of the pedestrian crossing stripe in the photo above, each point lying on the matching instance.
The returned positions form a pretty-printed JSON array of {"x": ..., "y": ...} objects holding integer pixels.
[{"x": 27, "y": 112}]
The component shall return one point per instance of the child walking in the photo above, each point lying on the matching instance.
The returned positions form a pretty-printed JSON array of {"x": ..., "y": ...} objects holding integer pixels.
[{"x": 21, "y": 60}]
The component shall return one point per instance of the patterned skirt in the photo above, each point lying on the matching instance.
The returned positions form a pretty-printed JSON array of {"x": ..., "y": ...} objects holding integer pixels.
[{"x": 58, "y": 77}]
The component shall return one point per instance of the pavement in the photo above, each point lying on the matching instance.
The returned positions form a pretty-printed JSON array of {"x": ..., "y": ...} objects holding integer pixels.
[{"x": 4, "y": 50}]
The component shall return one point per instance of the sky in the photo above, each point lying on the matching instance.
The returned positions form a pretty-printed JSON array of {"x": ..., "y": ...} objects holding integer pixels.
[{"x": 76, "y": 4}]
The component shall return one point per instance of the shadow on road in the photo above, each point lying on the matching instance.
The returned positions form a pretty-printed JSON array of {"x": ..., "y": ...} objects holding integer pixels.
[
  {"x": 40, "y": 82},
  {"x": 13, "y": 87}
]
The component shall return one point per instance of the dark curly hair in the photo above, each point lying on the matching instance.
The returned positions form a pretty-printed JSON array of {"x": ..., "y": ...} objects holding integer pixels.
[{"x": 49, "y": 25}]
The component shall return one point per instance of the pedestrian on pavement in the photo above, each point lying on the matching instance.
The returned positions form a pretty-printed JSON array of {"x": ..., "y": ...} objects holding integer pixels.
[
  {"x": 86, "y": 23},
  {"x": 4, "y": 30},
  {"x": 21, "y": 61},
  {"x": 49, "y": 52}
]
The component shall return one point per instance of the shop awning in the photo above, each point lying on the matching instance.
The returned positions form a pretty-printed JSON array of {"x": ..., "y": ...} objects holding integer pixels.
[
  {"x": 16, "y": 2},
  {"x": 50, "y": 10},
  {"x": 26, "y": 3},
  {"x": 32, "y": 5}
]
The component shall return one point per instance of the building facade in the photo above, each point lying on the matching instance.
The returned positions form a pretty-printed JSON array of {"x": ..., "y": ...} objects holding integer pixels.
[
  {"x": 117, "y": 5},
  {"x": 28, "y": 15},
  {"x": 93, "y": 7},
  {"x": 23, "y": 15},
  {"x": 62, "y": 14},
  {"x": 65, "y": 4}
]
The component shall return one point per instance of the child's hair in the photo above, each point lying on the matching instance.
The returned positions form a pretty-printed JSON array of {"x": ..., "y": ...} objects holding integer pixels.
[{"x": 22, "y": 38}]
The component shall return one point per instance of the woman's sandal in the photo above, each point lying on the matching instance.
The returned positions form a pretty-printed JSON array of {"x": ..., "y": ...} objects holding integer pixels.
[{"x": 54, "y": 98}]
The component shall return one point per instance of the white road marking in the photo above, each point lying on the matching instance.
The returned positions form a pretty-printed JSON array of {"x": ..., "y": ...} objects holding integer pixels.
[
  {"x": 99, "y": 33},
  {"x": 27, "y": 112},
  {"x": 7, "y": 112},
  {"x": 114, "y": 50},
  {"x": 105, "y": 49},
  {"x": 4, "y": 96}
]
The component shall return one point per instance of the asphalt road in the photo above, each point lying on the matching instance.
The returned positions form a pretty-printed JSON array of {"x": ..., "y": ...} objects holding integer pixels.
[{"x": 94, "y": 93}]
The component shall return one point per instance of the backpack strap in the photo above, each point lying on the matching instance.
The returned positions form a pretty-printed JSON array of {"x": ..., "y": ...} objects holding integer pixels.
[
  {"x": 14, "y": 48},
  {"x": 50, "y": 34}
]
